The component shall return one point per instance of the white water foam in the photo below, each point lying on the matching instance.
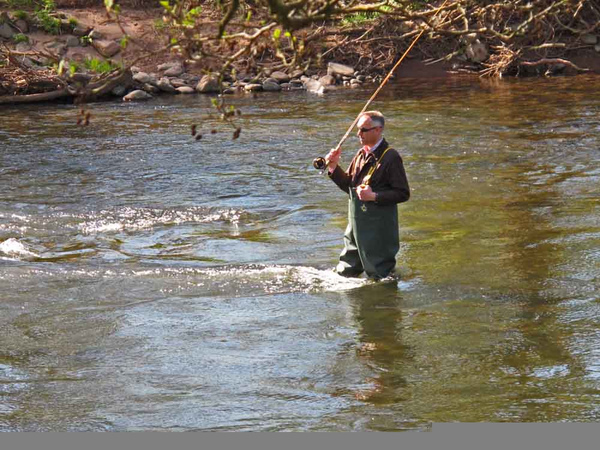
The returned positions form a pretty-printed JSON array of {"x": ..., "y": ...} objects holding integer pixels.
[
  {"x": 13, "y": 247},
  {"x": 285, "y": 278},
  {"x": 141, "y": 218}
]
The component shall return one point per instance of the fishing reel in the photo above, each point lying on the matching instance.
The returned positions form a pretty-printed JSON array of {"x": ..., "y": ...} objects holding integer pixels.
[{"x": 319, "y": 163}]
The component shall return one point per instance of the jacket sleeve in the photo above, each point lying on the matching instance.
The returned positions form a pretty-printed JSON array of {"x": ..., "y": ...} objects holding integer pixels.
[
  {"x": 341, "y": 178},
  {"x": 344, "y": 178},
  {"x": 396, "y": 189}
]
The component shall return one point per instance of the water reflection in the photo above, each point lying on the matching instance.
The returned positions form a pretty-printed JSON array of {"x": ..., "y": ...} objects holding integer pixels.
[{"x": 378, "y": 314}]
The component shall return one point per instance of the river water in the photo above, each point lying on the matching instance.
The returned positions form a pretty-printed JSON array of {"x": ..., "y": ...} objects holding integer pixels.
[{"x": 150, "y": 281}]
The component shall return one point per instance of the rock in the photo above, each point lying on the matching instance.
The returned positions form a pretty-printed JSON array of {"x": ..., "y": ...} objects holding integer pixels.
[
  {"x": 150, "y": 88},
  {"x": 280, "y": 77},
  {"x": 135, "y": 69},
  {"x": 28, "y": 62},
  {"x": 174, "y": 71},
  {"x": 6, "y": 31},
  {"x": 171, "y": 69},
  {"x": 81, "y": 31},
  {"x": 185, "y": 90},
  {"x": 142, "y": 77},
  {"x": 177, "y": 82},
  {"x": 361, "y": 78},
  {"x": 314, "y": 87},
  {"x": 95, "y": 35},
  {"x": 136, "y": 96},
  {"x": 339, "y": 69},
  {"x": 270, "y": 85},
  {"x": 191, "y": 80},
  {"x": 23, "y": 47},
  {"x": 477, "y": 52},
  {"x": 165, "y": 85},
  {"x": 165, "y": 66},
  {"x": 253, "y": 87},
  {"x": 285, "y": 86},
  {"x": 589, "y": 39},
  {"x": 57, "y": 47},
  {"x": 297, "y": 73},
  {"x": 22, "y": 25},
  {"x": 297, "y": 84},
  {"x": 72, "y": 41},
  {"x": 355, "y": 83},
  {"x": 230, "y": 91},
  {"x": 119, "y": 91},
  {"x": 327, "y": 80},
  {"x": 106, "y": 48},
  {"x": 208, "y": 83}
]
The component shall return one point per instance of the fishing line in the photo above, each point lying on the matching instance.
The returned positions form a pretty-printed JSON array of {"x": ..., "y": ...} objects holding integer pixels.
[{"x": 321, "y": 163}]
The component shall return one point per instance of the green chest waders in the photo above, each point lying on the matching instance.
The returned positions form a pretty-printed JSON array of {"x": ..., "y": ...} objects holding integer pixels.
[{"x": 371, "y": 240}]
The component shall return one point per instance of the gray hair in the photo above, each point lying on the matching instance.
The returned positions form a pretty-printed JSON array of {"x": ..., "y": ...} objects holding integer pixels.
[{"x": 376, "y": 117}]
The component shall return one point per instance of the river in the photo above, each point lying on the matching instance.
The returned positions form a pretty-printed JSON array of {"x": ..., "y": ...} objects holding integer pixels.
[{"x": 151, "y": 281}]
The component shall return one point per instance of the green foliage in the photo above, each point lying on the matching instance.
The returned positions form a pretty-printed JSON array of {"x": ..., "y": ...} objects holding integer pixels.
[
  {"x": 20, "y": 15},
  {"x": 73, "y": 22},
  {"x": 85, "y": 40},
  {"x": 359, "y": 18},
  {"x": 48, "y": 23},
  {"x": 112, "y": 6},
  {"x": 20, "y": 37},
  {"x": 98, "y": 66}
]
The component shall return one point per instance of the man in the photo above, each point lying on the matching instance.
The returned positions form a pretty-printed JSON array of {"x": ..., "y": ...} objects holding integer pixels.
[{"x": 376, "y": 182}]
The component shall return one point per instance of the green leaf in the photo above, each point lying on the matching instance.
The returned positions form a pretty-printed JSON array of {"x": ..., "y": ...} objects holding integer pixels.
[
  {"x": 249, "y": 16},
  {"x": 165, "y": 4},
  {"x": 124, "y": 42},
  {"x": 276, "y": 34},
  {"x": 61, "y": 67}
]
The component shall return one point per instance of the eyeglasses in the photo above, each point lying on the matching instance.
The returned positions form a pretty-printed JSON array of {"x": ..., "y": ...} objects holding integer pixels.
[{"x": 366, "y": 130}]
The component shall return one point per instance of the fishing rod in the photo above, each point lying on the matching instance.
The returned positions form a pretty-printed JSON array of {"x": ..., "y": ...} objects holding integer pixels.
[{"x": 321, "y": 163}]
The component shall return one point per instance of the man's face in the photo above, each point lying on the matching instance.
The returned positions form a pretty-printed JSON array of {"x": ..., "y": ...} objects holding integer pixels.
[{"x": 368, "y": 132}]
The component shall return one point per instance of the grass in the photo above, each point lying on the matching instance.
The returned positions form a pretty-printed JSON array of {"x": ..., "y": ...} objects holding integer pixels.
[
  {"x": 359, "y": 18},
  {"x": 20, "y": 15},
  {"x": 98, "y": 66},
  {"x": 20, "y": 37}
]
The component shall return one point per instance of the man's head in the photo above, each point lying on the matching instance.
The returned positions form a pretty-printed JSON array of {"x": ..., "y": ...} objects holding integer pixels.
[{"x": 370, "y": 127}]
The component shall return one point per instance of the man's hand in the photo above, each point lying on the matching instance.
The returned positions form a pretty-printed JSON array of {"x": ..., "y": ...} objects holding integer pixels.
[
  {"x": 333, "y": 158},
  {"x": 365, "y": 193}
]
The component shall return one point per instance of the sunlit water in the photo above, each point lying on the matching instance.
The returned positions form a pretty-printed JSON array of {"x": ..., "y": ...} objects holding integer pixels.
[{"x": 150, "y": 281}]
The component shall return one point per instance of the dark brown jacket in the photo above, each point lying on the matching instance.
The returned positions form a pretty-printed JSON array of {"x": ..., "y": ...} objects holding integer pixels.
[{"x": 389, "y": 181}]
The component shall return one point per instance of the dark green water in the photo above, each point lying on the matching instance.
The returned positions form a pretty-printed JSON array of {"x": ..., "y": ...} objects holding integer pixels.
[{"x": 152, "y": 282}]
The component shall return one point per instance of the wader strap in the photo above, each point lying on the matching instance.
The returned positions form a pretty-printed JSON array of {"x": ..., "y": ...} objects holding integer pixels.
[{"x": 367, "y": 178}]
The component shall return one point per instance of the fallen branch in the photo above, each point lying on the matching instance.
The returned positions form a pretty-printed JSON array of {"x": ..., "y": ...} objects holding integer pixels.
[
  {"x": 35, "y": 98},
  {"x": 553, "y": 61}
]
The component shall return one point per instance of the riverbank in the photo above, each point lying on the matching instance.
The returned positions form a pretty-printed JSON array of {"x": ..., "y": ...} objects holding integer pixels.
[{"x": 90, "y": 46}]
